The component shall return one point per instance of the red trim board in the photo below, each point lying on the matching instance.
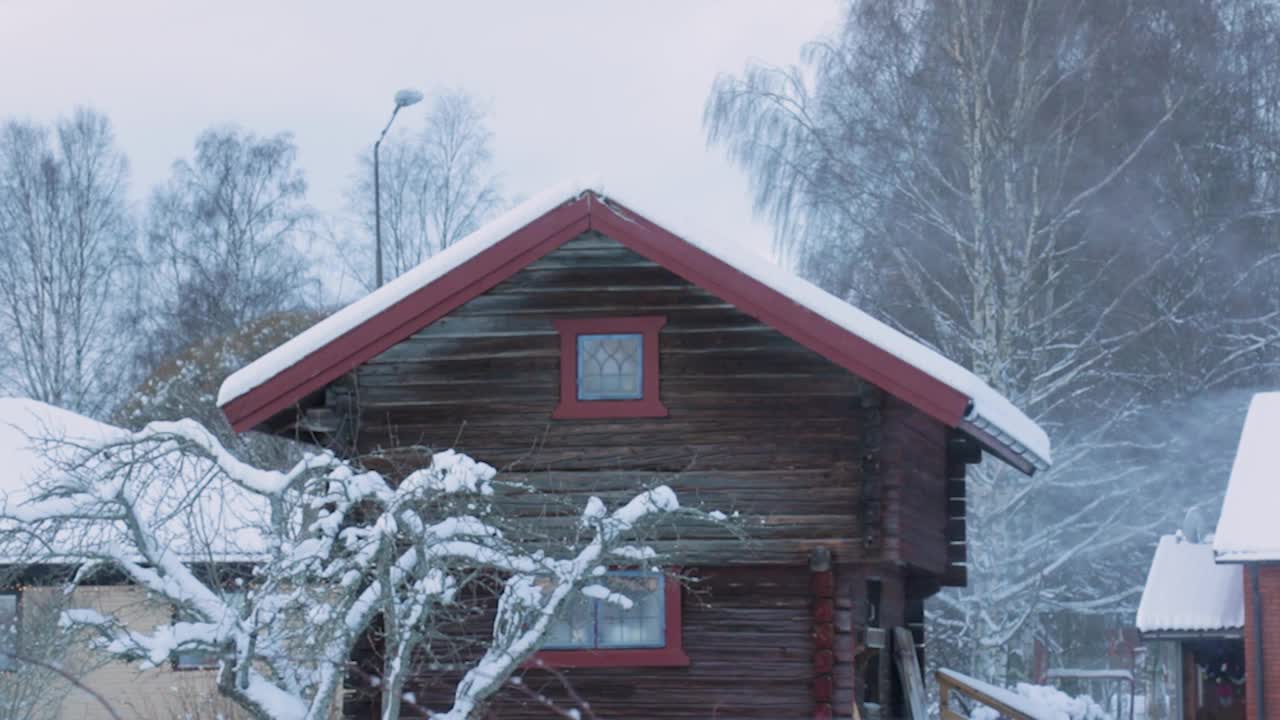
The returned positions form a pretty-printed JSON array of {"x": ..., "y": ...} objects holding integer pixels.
[{"x": 503, "y": 259}]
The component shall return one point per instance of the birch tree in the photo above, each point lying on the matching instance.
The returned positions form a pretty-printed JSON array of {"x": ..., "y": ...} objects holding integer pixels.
[
  {"x": 281, "y": 574},
  {"x": 65, "y": 237},
  {"x": 225, "y": 242},
  {"x": 1008, "y": 182},
  {"x": 438, "y": 185}
]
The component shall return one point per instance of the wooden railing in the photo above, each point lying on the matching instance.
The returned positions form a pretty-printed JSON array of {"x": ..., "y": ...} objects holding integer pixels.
[{"x": 952, "y": 684}]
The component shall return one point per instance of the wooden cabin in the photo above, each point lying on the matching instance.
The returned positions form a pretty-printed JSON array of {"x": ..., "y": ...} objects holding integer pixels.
[{"x": 577, "y": 342}]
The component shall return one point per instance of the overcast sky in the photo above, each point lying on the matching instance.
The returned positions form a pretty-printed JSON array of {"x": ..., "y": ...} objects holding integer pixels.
[{"x": 611, "y": 89}]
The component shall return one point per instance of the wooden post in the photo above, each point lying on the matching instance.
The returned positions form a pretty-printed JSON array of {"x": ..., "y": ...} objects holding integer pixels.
[
  {"x": 822, "y": 590},
  {"x": 904, "y": 652}
]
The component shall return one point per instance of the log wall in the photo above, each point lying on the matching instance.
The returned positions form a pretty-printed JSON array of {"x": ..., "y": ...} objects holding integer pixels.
[
  {"x": 757, "y": 422},
  {"x": 810, "y": 455},
  {"x": 747, "y": 632}
]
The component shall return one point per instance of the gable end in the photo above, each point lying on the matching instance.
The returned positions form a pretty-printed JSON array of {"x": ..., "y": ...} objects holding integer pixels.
[{"x": 360, "y": 332}]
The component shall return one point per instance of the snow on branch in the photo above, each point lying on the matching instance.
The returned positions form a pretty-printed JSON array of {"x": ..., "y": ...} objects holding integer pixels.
[{"x": 281, "y": 574}]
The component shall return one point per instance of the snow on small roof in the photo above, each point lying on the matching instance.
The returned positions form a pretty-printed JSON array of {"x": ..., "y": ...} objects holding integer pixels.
[
  {"x": 989, "y": 411},
  {"x": 38, "y": 441},
  {"x": 1186, "y": 592},
  {"x": 1247, "y": 528},
  {"x": 28, "y": 431}
]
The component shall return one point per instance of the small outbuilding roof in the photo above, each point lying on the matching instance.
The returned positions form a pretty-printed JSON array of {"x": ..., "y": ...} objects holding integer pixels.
[
  {"x": 1187, "y": 593},
  {"x": 206, "y": 517},
  {"x": 1248, "y": 530},
  {"x": 807, "y": 314}
]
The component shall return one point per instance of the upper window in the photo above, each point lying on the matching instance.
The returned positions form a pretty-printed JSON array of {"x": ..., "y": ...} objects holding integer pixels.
[
  {"x": 595, "y": 632},
  {"x": 609, "y": 368}
]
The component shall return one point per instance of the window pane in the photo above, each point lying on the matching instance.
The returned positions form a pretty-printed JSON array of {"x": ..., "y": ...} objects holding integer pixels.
[
  {"x": 610, "y": 367},
  {"x": 643, "y": 625},
  {"x": 575, "y": 627},
  {"x": 198, "y": 659},
  {"x": 8, "y": 631}
]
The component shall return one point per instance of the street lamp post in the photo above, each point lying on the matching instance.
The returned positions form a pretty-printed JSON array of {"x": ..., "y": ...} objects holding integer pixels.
[{"x": 404, "y": 98}]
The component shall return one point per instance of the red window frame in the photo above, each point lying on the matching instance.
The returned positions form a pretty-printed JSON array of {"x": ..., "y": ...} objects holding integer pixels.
[
  {"x": 671, "y": 654},
  {"x": 648, "y": 405}
]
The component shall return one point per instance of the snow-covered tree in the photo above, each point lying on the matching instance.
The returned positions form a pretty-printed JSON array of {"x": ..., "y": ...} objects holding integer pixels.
[
  {"x": 282, "y": 574},
  {"x": 224, "y": 241},
  {"x": 1076, "y": 200}
]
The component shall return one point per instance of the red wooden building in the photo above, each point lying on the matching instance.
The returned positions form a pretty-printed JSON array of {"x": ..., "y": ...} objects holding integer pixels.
[
  {"x": 577, "y": 342},
  {"x": 1249, "y": 535}
]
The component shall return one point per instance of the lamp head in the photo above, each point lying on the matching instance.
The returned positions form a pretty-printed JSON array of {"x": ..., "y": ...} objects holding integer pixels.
[{"x": 407, "y": 97}]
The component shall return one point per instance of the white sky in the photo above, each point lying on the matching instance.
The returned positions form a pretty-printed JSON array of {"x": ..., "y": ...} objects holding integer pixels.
[{"x": 610, "y": 89}]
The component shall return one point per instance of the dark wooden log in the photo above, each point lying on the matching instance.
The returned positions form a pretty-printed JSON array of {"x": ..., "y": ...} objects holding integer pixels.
[
  {"x": 811, "y": 457},
  {"x": 741, "y": 625}
]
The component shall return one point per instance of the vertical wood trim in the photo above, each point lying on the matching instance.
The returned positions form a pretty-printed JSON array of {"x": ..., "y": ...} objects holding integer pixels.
[
  {"x": 1190, "y": 683},
  {"x": 904, "y": 651},
  {"x": 822, "y": 589}
]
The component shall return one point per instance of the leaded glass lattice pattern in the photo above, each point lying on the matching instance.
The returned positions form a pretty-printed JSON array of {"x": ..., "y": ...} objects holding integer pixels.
[
  {"x": 641, "y": 625},
  {"x": 611, "y": 367},
  {"x": 576, "y": 628},
  {"x": 587, "y": 624}
]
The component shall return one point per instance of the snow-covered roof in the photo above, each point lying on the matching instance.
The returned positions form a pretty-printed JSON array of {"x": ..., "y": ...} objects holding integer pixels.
[
  {"x": 205, "y": 516},
  {"x": 1187, "y": 592},
  {"x": 433, "y": 268},
  {"x": 1247, "y": 528},
  {"x": 988, "y": 411},
  {"x": 31, "y": 449}
]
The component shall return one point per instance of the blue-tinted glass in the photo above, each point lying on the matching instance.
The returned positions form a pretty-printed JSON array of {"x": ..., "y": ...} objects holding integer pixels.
[
  {"x": 8, "y": 631},
  {"x": 587, "y": 623},
  {"x": 575, "y": 627},
  {"x": 643, "y": 624},
  {"x": 610, "y": 367},
  {"x": 200, "y": 659}
]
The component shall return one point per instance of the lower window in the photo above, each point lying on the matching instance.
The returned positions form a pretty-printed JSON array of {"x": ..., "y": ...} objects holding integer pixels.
[
  {"x": 593, "y": 632},
  {"x": 9, "y": 631},
  {"x": 207, "y": 659}
]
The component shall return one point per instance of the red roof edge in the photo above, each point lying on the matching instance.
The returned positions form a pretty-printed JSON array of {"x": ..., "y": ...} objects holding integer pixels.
[
  {"x": 999, "y": 449},
  {"x": 835, "y": 343},
  {"x": 503, "y": 259},
  {"x": 409, "y": 315}
]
